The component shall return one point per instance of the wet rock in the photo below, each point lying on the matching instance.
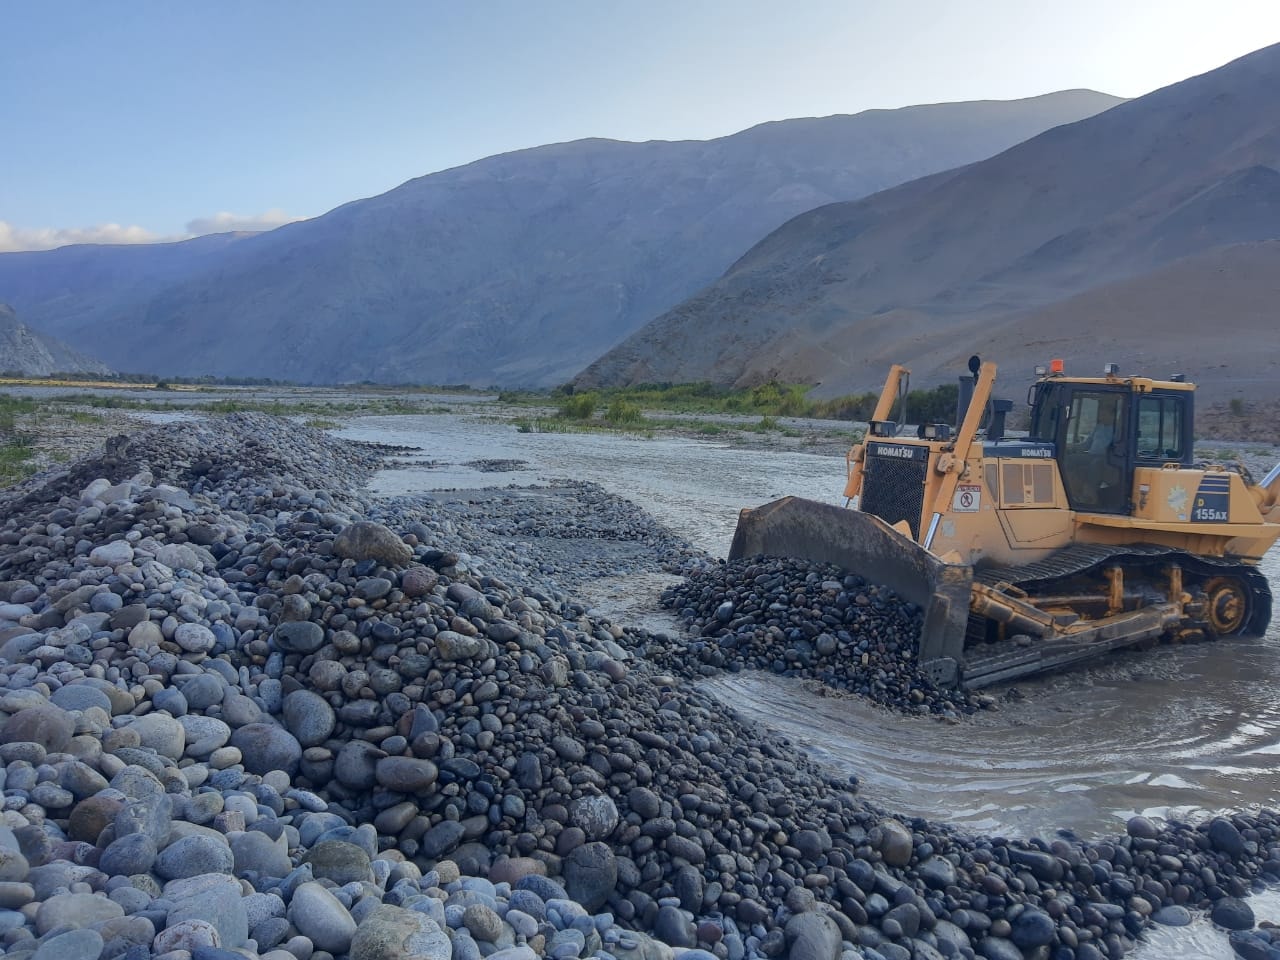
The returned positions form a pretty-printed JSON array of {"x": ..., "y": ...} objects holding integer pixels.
[
  {"x": 365, "y": 540},
  {"x": 591, "y": 873},
  {"x": 1032, "y": 928},
  {"x": 1233, "y": 913},
  {"x": 393, "y": 933},
  {"x": 813, "y": 936},
  {"x": 76, "y": 910},
  {"x": 309, "y": 717},
  {"x": 894, "y": 842},
  {"x": 266, "y": 747},
  {"x": 321, "y": 917},
  {"x": 299, "y": 636},
  {"x": 1224, "y": 836},
  {"x": 340, "y": 862},
  {"x": 48, "y": 726}
]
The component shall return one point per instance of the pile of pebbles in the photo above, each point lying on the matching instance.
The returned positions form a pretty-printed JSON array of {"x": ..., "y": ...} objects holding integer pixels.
[
  {"x": 247, "y": 712},
  {"x": 804, "y": 619},
  {"x": 556, "y": 537}
]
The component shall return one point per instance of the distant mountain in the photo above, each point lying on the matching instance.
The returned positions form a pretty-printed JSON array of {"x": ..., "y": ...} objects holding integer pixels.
[
  {"x": 1143, "y": 235},
  {"x": 518, "y": 269},
  {"x": 24, "y": 351}
]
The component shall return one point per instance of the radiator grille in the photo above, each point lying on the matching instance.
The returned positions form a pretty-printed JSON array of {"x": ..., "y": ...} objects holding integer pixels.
[{"x": 893, "y": 489}]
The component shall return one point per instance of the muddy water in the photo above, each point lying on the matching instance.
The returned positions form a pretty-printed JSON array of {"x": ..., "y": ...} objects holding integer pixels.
[{"x": 1178, "y": 732}]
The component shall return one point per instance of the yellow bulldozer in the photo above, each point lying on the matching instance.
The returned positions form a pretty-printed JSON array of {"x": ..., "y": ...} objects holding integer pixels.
[{"x": 1096, "y": 530}]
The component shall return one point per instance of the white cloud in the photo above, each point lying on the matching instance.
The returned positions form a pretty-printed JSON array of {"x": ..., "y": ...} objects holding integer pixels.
[
  {"x": 14, "y": 238},
  {"x": 226, "y": 222}
]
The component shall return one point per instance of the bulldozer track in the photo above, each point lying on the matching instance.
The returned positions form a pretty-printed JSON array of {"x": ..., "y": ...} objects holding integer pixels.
[{"x": 1084, "y": 559}]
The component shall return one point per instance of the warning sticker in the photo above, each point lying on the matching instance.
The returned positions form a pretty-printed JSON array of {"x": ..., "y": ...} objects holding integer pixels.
[{"x": 968, "y": 498}]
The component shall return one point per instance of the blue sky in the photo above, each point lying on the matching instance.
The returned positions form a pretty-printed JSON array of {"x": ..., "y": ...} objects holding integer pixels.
[{"x": 146, "y": 120}]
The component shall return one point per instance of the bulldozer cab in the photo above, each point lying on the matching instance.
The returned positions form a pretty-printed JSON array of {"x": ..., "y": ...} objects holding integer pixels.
[{"x": 1102, "y": 431}]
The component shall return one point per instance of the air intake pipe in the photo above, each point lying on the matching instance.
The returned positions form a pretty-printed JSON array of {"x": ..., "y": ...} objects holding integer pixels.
[
  {"x": 999, "y": 410},
  {"x": 967, "y": 384}
]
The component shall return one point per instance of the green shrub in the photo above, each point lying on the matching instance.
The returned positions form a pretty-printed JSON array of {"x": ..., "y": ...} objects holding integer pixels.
[
  {"x": 1237, "y": 407},
  {"x": 578, "y": 406},
  {"x": 621, "y": 413}
]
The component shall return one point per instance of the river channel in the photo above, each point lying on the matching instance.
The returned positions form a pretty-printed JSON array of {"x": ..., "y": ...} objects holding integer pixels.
[{"x": 1175, "y": 732}]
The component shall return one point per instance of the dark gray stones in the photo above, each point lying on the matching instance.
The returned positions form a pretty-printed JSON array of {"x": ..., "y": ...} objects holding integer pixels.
[
  {"x": 128, "y": 855},
  {"x": 195, "y": 638},
  {"x": 194, "y": 856},
  {"x": 1142, "y": 828},
  {"x": 854, "y": 635},
  {"x": 590, "y": 874},
  {"x": 365, "y": 540},
  {"x": 355, "y": 728},
  {"x": 147, "y": 809},
  {"x": 1033, "y": 928},
  {"x": 1043, "y": 866},
  {"x": 321, "y": 917},
  {"x": 1232, "y": 913},
  {"x": 339, "y": 861},
  {"x": 811, "y": 843},
  {"x": 1173, "y": 915},
  {"x": 266, "y": 747},
  {"x": 441, "y": 839},
  {"x": 1226, "y": 837},
  {"x": 160, "y": 733},
  {"x": 308, "y": 717},
  {"x": 49, "y": 726},
  {"x": 373, "y": 588},
  {"x": 998, "y": 948},
  {"x": 202, "y": 690},
  {"x": 938, "y": 872},
  {"x": 299, "y": 636},
  {"x": 674, "y": 928},
  {"x": 73, "y": 945},
  {"x": 454, "y": 647},
  {"x": 894, "y": 842},
  {"x": 75, "y": 910},
  {"x": 418, "y": 581},
  {"x": 813, "y": 936},
  {"x": 685, "y": 848},
  {"x": 483, "y": 923},
  {"x": 644, "y": 802},
  {"x": 213, "y": 899},
  {"x": 356, "y": 764},
  {"x": 255, "y": 851},
  {"x": 394, "y": 933},
  {"x": 406, "y": 774},
  {"x": 78, "y": 696},
  {"x": 596, "y": 816}
]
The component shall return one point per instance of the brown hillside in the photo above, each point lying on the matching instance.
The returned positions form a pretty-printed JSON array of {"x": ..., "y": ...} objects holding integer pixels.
[{"x": 1141, "y": 231}]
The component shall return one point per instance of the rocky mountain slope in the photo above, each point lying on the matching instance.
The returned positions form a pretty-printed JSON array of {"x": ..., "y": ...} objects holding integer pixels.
[
  {"x": 24, "y": 351},
  {"x": 1144, "y": 235},
  {"x": 516, "y": 269}
]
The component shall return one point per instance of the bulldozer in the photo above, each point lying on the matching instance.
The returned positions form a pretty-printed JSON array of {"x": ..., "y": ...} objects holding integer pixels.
[{"x": 1093, "y": 530}]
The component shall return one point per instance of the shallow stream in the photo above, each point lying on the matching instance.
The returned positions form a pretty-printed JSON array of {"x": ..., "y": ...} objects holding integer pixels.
[{"x": 1178, "y": 731}]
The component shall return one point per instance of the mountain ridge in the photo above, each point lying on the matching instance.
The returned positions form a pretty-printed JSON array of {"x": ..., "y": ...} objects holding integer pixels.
[
  {"x": 26, "y": 352},
  {"x": 516, "y": 269},
  {"x": 837, "y": 293}
]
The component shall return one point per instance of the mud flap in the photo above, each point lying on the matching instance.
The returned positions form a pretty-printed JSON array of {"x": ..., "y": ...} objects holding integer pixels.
[{"x": 865, "y": 545}]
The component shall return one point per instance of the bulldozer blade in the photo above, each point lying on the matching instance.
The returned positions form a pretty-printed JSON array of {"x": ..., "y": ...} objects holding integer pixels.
[{"x": 865, "y": 545}]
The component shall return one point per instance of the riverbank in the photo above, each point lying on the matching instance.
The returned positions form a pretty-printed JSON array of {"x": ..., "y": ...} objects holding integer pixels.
[{"x": 250, "y": 707}]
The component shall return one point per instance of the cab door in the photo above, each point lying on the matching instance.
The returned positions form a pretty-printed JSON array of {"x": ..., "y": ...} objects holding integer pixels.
[{"x": 1094, "y": 451}]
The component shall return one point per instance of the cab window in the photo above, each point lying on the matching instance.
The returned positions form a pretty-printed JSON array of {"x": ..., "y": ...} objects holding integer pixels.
[
  {"x": 1160, "y": 428},
  {"x": 1083, "y": 427},
  {"x": 1045, "y": 413}
]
